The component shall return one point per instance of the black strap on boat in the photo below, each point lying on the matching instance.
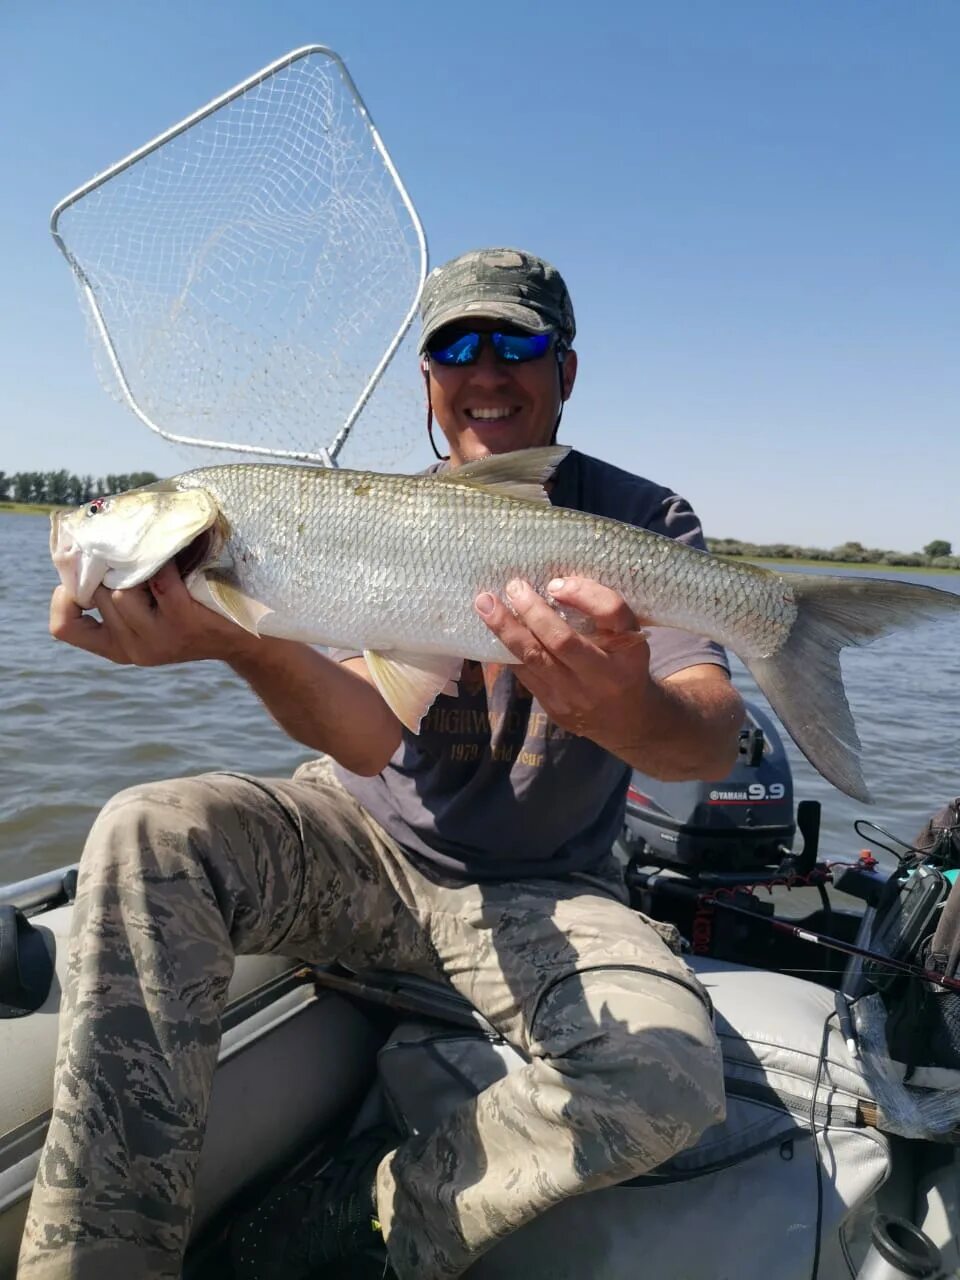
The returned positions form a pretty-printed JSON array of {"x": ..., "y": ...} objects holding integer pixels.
[{"x": 26, "y": 967}]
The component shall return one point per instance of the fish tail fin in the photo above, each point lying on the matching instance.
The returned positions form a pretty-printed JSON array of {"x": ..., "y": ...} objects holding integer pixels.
[{"x": 802, "y": 680}]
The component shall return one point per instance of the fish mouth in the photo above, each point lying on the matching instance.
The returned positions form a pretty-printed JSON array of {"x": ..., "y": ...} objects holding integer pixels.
[
  {"x": 60, "y": 541},
  {"x": 79, "y": 573},
  {"x": 82, "y": 571}
]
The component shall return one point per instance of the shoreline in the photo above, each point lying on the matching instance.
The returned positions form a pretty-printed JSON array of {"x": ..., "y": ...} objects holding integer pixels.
[
  {"x": 30, "y": 508},
  {"x": 826, "y": 565}
]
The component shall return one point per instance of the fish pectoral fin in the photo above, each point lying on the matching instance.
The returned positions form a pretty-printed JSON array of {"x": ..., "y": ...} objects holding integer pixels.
[
  {"x": 409, "y": 682},
  {"x": 520, "y": 474},
  {"x": 231, "y": 599}
]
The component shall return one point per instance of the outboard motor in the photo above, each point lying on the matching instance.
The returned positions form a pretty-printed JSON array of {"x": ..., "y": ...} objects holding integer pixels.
[
  {"x": 744, "y": 823},
  {"x": 687, "y": 845}
]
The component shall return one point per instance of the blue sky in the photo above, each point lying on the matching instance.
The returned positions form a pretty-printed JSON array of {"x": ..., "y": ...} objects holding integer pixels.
[{"x": 755, "y": 206}]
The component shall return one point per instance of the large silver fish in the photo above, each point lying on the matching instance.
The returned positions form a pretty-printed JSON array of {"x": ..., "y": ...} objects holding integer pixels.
[{"x": 392, "y": 564}]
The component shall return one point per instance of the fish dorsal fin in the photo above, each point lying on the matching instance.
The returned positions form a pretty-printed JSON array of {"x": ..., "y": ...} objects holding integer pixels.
[
  {"x": 230, "y": 599},
  {"x": 520, "y": 474},
  {"x": 409, "y": 682}
]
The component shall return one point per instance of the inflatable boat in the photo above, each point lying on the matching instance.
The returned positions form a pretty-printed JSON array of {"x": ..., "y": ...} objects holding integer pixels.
[{"x": 821, "y": 1169}]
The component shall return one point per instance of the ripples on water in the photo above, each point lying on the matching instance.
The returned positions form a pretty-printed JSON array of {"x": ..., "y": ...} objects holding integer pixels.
[{"x": 77, "y": 729}]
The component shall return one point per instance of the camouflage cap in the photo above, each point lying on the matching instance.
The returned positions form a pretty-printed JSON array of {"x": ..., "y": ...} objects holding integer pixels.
[{"x": 498, "y": 284}]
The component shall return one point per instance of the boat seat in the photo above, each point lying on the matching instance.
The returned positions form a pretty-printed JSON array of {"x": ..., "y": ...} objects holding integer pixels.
[{"x": 278, "y": 1088}]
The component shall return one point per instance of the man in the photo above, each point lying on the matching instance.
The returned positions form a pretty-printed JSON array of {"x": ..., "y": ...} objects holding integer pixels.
[{"x": 475, "y": 852}]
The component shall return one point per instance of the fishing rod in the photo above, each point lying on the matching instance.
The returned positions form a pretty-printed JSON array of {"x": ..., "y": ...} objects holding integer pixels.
[{"x": 834, "y": 944}]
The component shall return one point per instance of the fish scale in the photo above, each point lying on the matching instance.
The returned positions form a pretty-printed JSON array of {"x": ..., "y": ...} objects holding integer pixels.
[
  {"x": 392, "y": 565},
  {"x": 371, "y": 542}
]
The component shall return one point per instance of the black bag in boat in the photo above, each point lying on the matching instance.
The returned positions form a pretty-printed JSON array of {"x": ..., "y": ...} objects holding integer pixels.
[
  {"x": 778, "y": 1191},
  {"x": 923, "y": 1019}
]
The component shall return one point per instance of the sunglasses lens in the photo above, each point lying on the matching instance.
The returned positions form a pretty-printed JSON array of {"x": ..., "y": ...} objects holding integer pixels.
[
  {"x": 516, "y": 348},
  {"x": 459, "y": 348}
]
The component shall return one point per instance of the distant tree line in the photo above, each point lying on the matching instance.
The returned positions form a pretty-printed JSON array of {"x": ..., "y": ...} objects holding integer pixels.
[
  {"x": 935, "y": 555},
  {"x": 64, "y": 489}
]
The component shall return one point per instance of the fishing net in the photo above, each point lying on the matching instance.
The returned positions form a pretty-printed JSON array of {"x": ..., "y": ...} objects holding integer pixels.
[{"x": 250, "y": 273}]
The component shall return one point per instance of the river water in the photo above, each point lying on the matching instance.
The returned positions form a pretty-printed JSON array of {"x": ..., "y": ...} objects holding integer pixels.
[{"x": 77, "y": 729}]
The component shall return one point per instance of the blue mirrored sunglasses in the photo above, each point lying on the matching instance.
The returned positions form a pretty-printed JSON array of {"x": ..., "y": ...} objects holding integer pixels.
[{"x": 463, "y": 346}]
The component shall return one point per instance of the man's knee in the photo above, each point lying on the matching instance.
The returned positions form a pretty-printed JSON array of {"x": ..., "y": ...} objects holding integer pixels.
[
  {"x": 668, "y": 1082},
  {"x": 193, "y": 850},
  {"x": 641, "y": 1056},
  {"x": 161, "y": 828}
]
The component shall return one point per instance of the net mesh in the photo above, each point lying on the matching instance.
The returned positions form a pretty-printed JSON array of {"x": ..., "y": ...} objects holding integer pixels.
[{"x": 252, "y": 271}]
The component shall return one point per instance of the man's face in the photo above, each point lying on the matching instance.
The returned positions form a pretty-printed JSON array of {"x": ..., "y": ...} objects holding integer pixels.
[{"x": 492, "y": 406}]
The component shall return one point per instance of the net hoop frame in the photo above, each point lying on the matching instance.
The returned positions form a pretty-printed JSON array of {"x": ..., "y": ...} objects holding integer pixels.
[{"x": 326, "y": 457}]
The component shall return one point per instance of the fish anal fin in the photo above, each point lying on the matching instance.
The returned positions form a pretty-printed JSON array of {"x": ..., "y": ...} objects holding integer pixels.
[
  {"x": 409, "y": 682},
  {"x": 520, "y": 474},
  {"x": 232, "y": 600}
]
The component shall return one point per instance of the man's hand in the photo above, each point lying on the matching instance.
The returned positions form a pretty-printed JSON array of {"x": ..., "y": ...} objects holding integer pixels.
[
  {"x": 585, "y": 683},
  {"x": 329, "y": 706},
  {"x": 149, "y": 626},
  {"x": 599, "y": 685}
]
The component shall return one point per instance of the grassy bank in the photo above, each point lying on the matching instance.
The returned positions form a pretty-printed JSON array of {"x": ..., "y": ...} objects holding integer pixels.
[
  {"x": 826, "y": 565},
  {"x": 28, "y": 508}
]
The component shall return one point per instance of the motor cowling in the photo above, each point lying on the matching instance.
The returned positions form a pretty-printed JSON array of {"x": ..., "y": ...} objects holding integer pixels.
[{"x": 742, "y": 823}]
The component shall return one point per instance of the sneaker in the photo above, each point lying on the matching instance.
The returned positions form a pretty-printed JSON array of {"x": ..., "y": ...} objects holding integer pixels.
[{"x": 323, "y": 1229}]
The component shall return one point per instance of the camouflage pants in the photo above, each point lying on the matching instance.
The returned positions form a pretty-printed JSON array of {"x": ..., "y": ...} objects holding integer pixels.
[{"x": 178, "y": 877}]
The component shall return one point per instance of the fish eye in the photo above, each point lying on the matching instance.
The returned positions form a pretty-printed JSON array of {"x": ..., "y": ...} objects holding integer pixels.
[{"x": 97, "y": 505}]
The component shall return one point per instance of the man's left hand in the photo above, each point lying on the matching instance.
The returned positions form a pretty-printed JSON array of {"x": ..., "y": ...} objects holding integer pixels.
[{"x": 596, "y": 685}]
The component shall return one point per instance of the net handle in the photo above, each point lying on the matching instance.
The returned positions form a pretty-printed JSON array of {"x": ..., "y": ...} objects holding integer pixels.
[{"x": 326, "y": 457}]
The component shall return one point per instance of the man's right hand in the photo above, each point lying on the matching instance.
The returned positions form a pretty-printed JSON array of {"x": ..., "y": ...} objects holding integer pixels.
[
  {"x": 153, "y": 625},
  {"x": 330, "y": 706}
]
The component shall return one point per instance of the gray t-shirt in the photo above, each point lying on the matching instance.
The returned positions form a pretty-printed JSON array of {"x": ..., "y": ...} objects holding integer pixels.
[{"x": 490, "y": 788}]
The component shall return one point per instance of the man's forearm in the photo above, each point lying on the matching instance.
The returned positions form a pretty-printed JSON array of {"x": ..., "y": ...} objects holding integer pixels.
[
  {"x": 321, "y": 703},
  {"x": 689, "y": 729}
]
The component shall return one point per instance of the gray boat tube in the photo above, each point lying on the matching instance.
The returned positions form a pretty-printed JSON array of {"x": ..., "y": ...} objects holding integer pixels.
[{"x": 39, "y": 893}]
